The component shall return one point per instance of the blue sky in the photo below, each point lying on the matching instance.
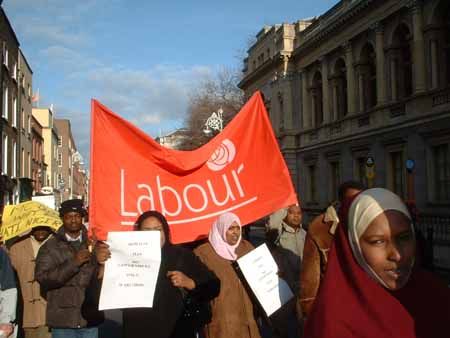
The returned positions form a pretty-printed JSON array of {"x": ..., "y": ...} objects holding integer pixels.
[{"x": 139, "y": 57}]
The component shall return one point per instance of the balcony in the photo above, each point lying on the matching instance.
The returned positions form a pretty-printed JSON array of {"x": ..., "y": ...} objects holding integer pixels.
[
  {"x": 442, "y": 97},
  {"x": 391, "y": 115}
]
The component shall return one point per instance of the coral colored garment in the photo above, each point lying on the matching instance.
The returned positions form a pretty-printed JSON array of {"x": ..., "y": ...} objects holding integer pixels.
[
  {"x": 350, "y": 304},
  {"x": 217, "y": 236}
]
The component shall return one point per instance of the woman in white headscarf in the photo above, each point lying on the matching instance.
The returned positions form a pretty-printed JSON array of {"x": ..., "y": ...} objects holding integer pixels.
[{"x": 232, "y": 310}]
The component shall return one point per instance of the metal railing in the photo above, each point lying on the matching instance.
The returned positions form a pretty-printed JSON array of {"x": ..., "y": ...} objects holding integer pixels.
[{"x": 436, "y": 230}]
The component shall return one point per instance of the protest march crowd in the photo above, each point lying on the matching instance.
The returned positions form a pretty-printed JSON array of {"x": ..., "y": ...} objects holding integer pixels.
[{"x": 357, "y": 270}]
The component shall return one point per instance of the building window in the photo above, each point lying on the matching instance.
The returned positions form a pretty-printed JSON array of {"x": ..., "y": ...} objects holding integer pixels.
[
  {"x": 441, "y": 159},
  {"x": 29, "y": 124},
  {"x": 440, "y": 48},
  {"x": 281, "y": 110},
  {"x": 340, "y": 102},
  {"x": 23, "y": 119},
  {"x": 335, "y": 180},
  {"x": 59, "y": 159},
  {"x": 14, "y": 159},
  {"x": 317, "y": 99},
  {"x": 312, "y": 188},
  {"x": 29, "y": 164},
  {"x": 5, "y": 101},
  {"x": 59, "y": 141},
  {"x": 368, "y": 78},
  {"x": 403, "y": 63},
  {"x": 14, "y": 75},
  {"x": 14, "y": 121},
  {"x": 397, "y": 173},
  {"x": 5, "y": 154},
  {"x": 23, "y": 163},
  {"x": 5, "y": 55}
]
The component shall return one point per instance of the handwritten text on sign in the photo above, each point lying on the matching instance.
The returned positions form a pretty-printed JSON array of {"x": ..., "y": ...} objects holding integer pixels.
[
  {"x": 132, "y": 271},
  {"x": 261, "y": 272}
]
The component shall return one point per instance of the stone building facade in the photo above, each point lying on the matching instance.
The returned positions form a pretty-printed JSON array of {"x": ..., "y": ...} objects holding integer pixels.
[
  {"x": 71, "y": 174},
  {"x": 38, "y": 165},
  {"x": 50, "y": 135},
  {"x": 9, "y": 103},
  {"x": 25, "y": 90},
  {"x": 367, "y": 79}
]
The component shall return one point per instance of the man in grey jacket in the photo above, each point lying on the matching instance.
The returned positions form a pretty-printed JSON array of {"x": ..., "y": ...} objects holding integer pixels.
[
  {"x": 291, "y": 234},
  {"x": 64, "y": 268}
]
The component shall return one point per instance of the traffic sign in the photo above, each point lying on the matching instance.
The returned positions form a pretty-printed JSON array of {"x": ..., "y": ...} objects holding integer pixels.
[
  {"x": 410, "y": 164},
  {"x": 370, "y": 161}
]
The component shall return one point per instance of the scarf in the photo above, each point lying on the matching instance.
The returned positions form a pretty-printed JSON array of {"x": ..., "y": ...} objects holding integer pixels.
[
  {"x": 352, "y": 304},
  {"x": 364, "y": 209},
  {"x": 217, "y": 236}
]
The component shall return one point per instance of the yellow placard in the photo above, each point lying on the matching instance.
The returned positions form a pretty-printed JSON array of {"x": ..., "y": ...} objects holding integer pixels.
[{"x": 20, "y": 218}]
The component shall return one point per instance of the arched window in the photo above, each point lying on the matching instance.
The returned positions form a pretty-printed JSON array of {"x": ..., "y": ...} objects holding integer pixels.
[
  {"x": 403, "y": 62},
  {"x": 447, "y": 40},
  {"x": 340, "y": 89},
  {"x": 368, "y": 78},
  {"x": 317, "y": 98},
  {"x": 443, "y": 20}
]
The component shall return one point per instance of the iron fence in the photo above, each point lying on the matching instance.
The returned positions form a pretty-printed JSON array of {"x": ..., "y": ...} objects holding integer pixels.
[{"x": 436, "y": 230}]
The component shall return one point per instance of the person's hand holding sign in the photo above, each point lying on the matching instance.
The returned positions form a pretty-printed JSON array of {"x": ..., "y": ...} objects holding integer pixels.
[
  {"x": 102, "y": 252},
  {"x": 180, "y": 280},
  {"x": 7, "y": 329},
  {"x": 82, "y": 257}
]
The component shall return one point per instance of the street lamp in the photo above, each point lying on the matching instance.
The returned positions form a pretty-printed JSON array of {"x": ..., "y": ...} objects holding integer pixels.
[
  {"x": 214, "y": 122},
  {"x": 76, "y": 158}
]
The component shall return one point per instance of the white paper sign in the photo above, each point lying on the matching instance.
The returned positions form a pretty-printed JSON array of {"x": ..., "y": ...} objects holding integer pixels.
[
  {"x": 132, "y": 271},
  {"x": 261, "y": 272}
]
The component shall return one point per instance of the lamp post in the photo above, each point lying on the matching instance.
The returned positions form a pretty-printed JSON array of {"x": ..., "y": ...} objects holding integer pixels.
[
  {"x": 76, "y": 158},
  {"x": 214, "y": 122}
]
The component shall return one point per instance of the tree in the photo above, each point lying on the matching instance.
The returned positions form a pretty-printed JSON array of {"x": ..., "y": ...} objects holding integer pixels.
[{"x": 212, "y": 93}]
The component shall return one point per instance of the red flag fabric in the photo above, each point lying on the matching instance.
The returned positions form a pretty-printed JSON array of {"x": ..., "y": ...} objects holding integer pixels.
[{"x": 240, "y": 170}]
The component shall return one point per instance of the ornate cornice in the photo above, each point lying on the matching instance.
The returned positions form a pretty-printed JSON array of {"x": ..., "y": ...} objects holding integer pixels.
[
  {"x": 329, "y": 27},
  {"x": 377, "y": 27}
]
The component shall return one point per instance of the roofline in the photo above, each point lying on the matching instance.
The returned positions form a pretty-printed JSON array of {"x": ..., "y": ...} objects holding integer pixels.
[
  {"x": 10, "y": 26},
  {"x": 26, "y": 61},
  {"x": 70, "y": 132}
]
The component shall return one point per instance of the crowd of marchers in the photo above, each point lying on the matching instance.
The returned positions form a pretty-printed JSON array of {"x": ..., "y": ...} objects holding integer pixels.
[{"x": 357, "y": 270}]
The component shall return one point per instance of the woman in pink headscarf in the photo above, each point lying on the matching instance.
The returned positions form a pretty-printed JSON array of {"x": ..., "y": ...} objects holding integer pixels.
[{"x": 232, "y": 310}]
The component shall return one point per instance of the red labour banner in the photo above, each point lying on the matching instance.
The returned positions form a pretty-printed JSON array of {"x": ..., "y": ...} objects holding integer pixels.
[{"x": 240, "y": 170}]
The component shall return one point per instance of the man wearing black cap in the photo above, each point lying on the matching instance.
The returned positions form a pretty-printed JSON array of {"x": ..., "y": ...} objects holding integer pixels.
[{"x": 64, "y": 268}]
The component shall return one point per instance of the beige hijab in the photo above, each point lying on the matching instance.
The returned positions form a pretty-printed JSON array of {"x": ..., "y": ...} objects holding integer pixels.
[{"x": 363, "y": 210}]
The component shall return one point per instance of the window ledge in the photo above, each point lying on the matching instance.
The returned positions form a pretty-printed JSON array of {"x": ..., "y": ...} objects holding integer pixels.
[{"x": 438, "y": 204}]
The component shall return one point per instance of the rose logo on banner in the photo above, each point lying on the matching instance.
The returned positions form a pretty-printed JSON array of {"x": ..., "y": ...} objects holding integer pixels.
[{"x": 222, "y": 156}]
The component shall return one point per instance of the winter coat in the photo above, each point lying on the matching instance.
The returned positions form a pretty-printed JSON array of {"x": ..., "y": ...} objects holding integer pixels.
[
  {"x": 63, "y": 283},
  {"x": 232, "y": 310},
  {"x": 162, "y": 320},
  {"x": 34, "y": 305},
  {"x": 315, "y": 258},
  {"x": 292, "y": 239},
  {"x": 8, "y": 290}
]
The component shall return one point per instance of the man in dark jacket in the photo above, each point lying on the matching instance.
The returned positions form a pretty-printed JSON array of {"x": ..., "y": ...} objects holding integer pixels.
[{"x": 64, "y": 268}]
